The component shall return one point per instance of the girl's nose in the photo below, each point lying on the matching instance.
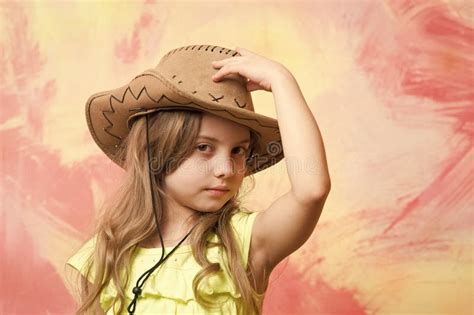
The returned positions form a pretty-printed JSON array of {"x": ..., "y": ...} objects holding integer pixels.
[{"x": 224, "y": 167}]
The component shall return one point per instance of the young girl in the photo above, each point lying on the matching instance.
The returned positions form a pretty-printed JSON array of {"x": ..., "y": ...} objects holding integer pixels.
[{"x": 174, "y": 239}]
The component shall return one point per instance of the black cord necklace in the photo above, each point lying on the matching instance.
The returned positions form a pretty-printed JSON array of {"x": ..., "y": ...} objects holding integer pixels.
[{"x": 137, "y": 290}]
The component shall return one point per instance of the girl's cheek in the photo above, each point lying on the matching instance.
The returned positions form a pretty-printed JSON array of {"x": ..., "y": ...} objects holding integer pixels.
[{"x": 201, "y": 166}]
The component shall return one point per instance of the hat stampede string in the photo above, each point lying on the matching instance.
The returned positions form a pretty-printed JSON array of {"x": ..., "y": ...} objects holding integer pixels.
[{"x": 137, "y": 290}]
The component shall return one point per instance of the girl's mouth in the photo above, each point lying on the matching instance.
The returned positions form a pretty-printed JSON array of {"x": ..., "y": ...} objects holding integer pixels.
[{"x": 217, "y": 192}]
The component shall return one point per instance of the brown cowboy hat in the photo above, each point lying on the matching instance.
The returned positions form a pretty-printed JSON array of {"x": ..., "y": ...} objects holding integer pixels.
[{"x": 182, "y": 80}]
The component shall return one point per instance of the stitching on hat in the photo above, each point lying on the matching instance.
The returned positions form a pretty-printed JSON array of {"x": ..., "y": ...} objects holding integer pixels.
[
  {"x": 199, "y": 48},
  {"x": 215, "y": 99},
  {"x": 170, "y": 86},
  {"x": 174, "y": 76},
  {"x": 106, "y": 129},
  {"x": 112, "y": 110},
  {"x": 241, "y": 106}
]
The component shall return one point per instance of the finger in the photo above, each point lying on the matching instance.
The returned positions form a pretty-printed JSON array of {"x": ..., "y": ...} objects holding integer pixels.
[
  {"x": 221, "y": 73},
  {"x": 222, "y": 62},
  {"x": 225, "y": 70}
]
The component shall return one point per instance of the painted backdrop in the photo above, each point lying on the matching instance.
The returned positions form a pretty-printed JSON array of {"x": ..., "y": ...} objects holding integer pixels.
[{"x": 390, "y": 84}]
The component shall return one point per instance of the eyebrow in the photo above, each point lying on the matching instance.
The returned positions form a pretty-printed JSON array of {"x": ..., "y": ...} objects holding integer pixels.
[{"x": 217, "y": 140}]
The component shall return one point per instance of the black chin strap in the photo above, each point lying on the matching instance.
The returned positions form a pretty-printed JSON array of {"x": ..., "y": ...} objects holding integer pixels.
[{"x": 137, "y": 290}]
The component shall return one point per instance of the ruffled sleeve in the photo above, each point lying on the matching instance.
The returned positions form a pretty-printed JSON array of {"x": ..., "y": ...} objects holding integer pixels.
[
  {"x": 81, "y": 260},
  {"x": 242, "y": 223},
  {"x": 83, "y": 257}
]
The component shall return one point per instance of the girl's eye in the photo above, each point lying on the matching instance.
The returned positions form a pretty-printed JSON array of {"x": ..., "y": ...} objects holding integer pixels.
[
  {"x": 203, "y": 146},
  {"x": 243, "y": 151}
]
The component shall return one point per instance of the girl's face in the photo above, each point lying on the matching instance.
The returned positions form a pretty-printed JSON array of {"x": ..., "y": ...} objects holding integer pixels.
[{"x": 214, "y": 162}]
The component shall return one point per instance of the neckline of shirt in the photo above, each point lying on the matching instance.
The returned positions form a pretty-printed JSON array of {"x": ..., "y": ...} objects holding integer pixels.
[
  {"x": 157, "y": 250},
  {"x": 183, "y": 248}
]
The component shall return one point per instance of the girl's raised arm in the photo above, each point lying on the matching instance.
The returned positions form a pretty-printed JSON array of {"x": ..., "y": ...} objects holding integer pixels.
[{"x": 290, "y": 220}]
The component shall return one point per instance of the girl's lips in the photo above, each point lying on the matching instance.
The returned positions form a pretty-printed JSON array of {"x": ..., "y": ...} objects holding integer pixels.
[{"x": 216, "y": 192}]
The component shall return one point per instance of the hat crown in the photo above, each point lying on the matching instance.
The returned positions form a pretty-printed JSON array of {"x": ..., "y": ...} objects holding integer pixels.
[{"x": 189, "y": 69}]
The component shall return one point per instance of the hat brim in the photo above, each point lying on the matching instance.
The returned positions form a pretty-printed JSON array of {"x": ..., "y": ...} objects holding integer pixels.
[{"x": 110, "y": 115}]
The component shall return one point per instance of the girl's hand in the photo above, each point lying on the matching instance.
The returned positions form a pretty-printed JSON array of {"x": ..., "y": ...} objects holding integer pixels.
[{"x": 260, "y": 72}]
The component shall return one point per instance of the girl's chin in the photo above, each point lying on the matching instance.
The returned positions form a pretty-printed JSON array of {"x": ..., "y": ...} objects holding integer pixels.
[{"x": 212, "y": 206}]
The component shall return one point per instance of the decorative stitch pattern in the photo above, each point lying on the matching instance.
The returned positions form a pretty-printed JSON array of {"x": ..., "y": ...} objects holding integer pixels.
[
  {"x": 112, "y": 110},
  {"x": 199, "y": 48},
  {"x": 241, "y": 106},
  {"x": 216, "y": 99},
  {"x": 136, "y": 97},
  {"x": 213, "y": 97},
  {"x": 200, "y": 105}
]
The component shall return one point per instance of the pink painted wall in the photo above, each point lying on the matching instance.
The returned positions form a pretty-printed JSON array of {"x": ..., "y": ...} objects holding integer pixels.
[{"x": 389, "y": 82}]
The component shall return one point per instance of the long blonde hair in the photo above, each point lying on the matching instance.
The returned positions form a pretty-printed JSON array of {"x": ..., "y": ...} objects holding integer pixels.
[{"x": 127, "y": 218}]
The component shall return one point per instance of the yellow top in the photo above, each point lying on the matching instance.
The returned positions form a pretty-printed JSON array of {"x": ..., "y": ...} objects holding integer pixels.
[{"x": 168, "y": 290}]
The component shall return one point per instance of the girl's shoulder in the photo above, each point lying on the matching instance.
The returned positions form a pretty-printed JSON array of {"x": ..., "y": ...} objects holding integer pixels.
[
  {"x": 245, "y": 215},
  {"x": 82, "y": 257}
]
